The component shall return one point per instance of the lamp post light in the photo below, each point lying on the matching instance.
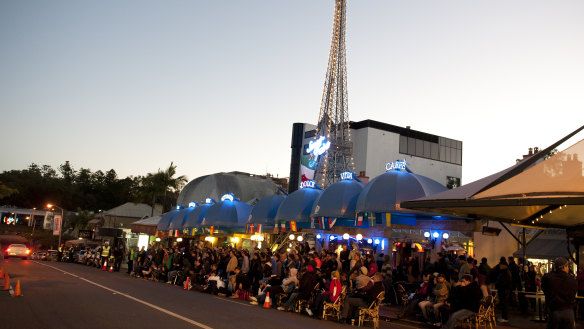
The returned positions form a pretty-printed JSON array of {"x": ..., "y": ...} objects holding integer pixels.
[{"x": 50, "y": 206}]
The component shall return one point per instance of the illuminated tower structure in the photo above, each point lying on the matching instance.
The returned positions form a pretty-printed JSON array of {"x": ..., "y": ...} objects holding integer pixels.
[{"x": 333, "y": 120}]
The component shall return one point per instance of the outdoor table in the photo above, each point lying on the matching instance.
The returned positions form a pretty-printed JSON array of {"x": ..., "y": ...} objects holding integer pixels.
[{"x": 539, "y": 308}]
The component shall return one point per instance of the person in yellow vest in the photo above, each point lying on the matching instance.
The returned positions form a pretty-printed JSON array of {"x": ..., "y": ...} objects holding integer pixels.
[{"x": 105, "y": 253}]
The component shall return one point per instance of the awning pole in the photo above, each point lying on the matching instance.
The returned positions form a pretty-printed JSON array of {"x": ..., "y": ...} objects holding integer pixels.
[{"x": 524, "y": 250}]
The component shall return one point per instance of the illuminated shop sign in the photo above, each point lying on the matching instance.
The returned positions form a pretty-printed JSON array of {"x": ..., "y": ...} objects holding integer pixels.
[
  {"x": 318, "y": 146},
  {"x": 396, "y": 165},
  {"x": 308, "y": 183},
  {"x": 347, "y": 175}
]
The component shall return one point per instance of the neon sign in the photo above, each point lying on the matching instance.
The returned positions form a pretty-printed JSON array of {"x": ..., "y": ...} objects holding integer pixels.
[
  {"x": 308, "y": 184},
  {"x": 227, "y": 197},
  {"x": 347, "y": 175},
  {"x": 318, "y": 146},
  {"x": 396, "y": 165}
]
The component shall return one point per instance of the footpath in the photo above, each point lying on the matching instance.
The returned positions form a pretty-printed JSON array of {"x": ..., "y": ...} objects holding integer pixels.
[{"x": 516, "y": 319}]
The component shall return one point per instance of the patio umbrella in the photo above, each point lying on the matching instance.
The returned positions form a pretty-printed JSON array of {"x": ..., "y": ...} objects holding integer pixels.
[
  {"x": 384, "y": 193},
  {"x": 195, "y": 217},
  {"x": 227, "y": 213},
  {"x": 265, "y": 210},
  {"x": 298, "y": 205},
  {"x": 338, "y": 200},
  {"x": 164, "y": 223},
  {"x": 178, "y": 220}
]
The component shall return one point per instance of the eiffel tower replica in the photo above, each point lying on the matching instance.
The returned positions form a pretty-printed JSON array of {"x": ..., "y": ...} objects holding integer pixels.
[{"x": 333, "y": 120}]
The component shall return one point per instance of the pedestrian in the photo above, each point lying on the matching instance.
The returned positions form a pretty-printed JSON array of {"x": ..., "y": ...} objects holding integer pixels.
[
  {"x": 502, "y": 277},
  {"x": 560, "y": 288},
  {"x": 105, "y": 253}
]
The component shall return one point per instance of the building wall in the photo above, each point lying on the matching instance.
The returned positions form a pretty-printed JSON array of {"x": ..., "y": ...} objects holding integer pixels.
[
  {"x": 494, "y": 247},
  {"x": 373, "y": 148},
  {"x": 383, "y": 147}
]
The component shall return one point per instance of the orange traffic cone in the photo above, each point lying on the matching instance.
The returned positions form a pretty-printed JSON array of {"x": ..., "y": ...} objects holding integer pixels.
[
  {"x": 187, "y": 284},
  {"x": 268, "y": 302},
  {"x": 111, "y": 267},
  {"x": 6, "y": 282},
  {"x": 17, "y": 289},
  {"x": 104, "y": 267}
]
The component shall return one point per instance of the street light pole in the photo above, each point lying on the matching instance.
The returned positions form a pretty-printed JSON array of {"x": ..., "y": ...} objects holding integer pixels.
[
  {"x": 60, "y": 224},
  {"x": 33, "y": 222}
]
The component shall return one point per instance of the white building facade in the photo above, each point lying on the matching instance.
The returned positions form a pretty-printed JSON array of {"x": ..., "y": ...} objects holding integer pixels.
[{"x": 376, "y": 144}]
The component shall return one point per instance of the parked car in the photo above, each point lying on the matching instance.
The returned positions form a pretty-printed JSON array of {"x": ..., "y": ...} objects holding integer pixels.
[
  {"x": 17, "y": 250},
  {"x": 52, "y": 255}
]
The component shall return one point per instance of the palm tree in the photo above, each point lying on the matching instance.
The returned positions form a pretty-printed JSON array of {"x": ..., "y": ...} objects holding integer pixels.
[{"x": 161, "y": 185}]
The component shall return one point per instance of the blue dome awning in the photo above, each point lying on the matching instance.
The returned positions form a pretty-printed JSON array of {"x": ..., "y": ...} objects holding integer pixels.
[
  {"x": 178, "y": 220},
  {"x": 298, "y": 206},
  {"x": 195, "y": 217},
  {"x": 164, "y": 223},
  {"x": 227, "y": 214},
  {"x": 338, "y": 200},
  {"x": 265, "y": 210},
  {"x": 387, "y": 190}
]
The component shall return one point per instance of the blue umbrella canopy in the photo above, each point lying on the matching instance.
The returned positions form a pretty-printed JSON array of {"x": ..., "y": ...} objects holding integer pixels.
[
  {"x": 387, "y": 190},
  {"x": 164, "y": 223},
  {"x": 298, "y": 205},
  {"x": 178, "y": 220},
  {"x": 227, "y": 213},
  {"x": 265, "y": 210},
  {"x": 338, "y": 200},
  {"x": 195, "y": 217}
]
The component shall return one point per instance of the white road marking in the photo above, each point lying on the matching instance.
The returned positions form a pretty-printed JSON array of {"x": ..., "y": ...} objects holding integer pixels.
[
  {"x": 132, "y": 298},
  {"x": 231, "y": 301}
]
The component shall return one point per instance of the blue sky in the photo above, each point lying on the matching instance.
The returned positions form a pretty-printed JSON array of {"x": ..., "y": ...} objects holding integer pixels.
[{"x": 216, "y": 85}]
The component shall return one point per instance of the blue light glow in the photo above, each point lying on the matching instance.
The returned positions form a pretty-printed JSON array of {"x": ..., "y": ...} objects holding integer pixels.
[
  {"x": 332, "y": 237},
  {"x": 192, "y": 204},
  {"x": 210, "y": 201},
  {"x": 228, "y": 196},
  {"x": 435, "y": 235},
  {"x": 376, "y": 241},
  {"x": 318, "y": 146},
  {"x": 318, "y": 236}
]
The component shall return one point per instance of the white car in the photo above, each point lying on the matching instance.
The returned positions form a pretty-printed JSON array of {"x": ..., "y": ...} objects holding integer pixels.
[{"x": 17, "y": 250}]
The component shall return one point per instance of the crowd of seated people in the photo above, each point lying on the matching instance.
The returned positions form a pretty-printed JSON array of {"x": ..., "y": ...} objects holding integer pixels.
[{"x": 448, "y": 292}]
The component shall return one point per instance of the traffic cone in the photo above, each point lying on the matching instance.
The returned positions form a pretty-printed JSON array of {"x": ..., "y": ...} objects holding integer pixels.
[
  {"x": 6, "y": 282},
  {"x": 17, "y": 289},
  {"x": 187, "y": 284},
  {"x": 104, "y": 267},
  {"x": 111, "y": 267},
  {"x": 268, "y": 302}
]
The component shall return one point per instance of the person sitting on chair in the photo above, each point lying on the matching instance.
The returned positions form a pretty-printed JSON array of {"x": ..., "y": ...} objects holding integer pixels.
[
  {"x": 363, "y": 299},
  {"x": 466, "y": 301}
]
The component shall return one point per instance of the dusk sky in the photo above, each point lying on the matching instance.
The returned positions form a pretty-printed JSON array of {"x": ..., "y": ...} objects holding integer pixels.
[{"x": 215, "y": 86}]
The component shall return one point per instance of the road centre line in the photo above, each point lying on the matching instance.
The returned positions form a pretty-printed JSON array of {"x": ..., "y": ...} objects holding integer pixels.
[{"x": 132, "y": 298}]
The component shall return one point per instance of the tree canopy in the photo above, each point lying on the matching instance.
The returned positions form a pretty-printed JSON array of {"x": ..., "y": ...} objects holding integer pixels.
[{"x": 87, "y": 190}]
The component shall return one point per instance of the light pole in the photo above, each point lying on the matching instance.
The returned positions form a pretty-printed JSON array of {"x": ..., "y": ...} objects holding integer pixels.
[
  {"x": 33, "y": 222},
  {"x": 50, "y": 206}
]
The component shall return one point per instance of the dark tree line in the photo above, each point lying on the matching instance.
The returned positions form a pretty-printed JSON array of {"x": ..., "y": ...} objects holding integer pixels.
[{"x": 83, "y": 189}]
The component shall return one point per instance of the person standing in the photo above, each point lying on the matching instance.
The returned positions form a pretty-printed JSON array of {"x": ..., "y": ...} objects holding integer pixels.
[
  {"x": 105, "y": 253},
  {"x": 502, "y": 277},
  {"x": 560, "y": 289}
]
